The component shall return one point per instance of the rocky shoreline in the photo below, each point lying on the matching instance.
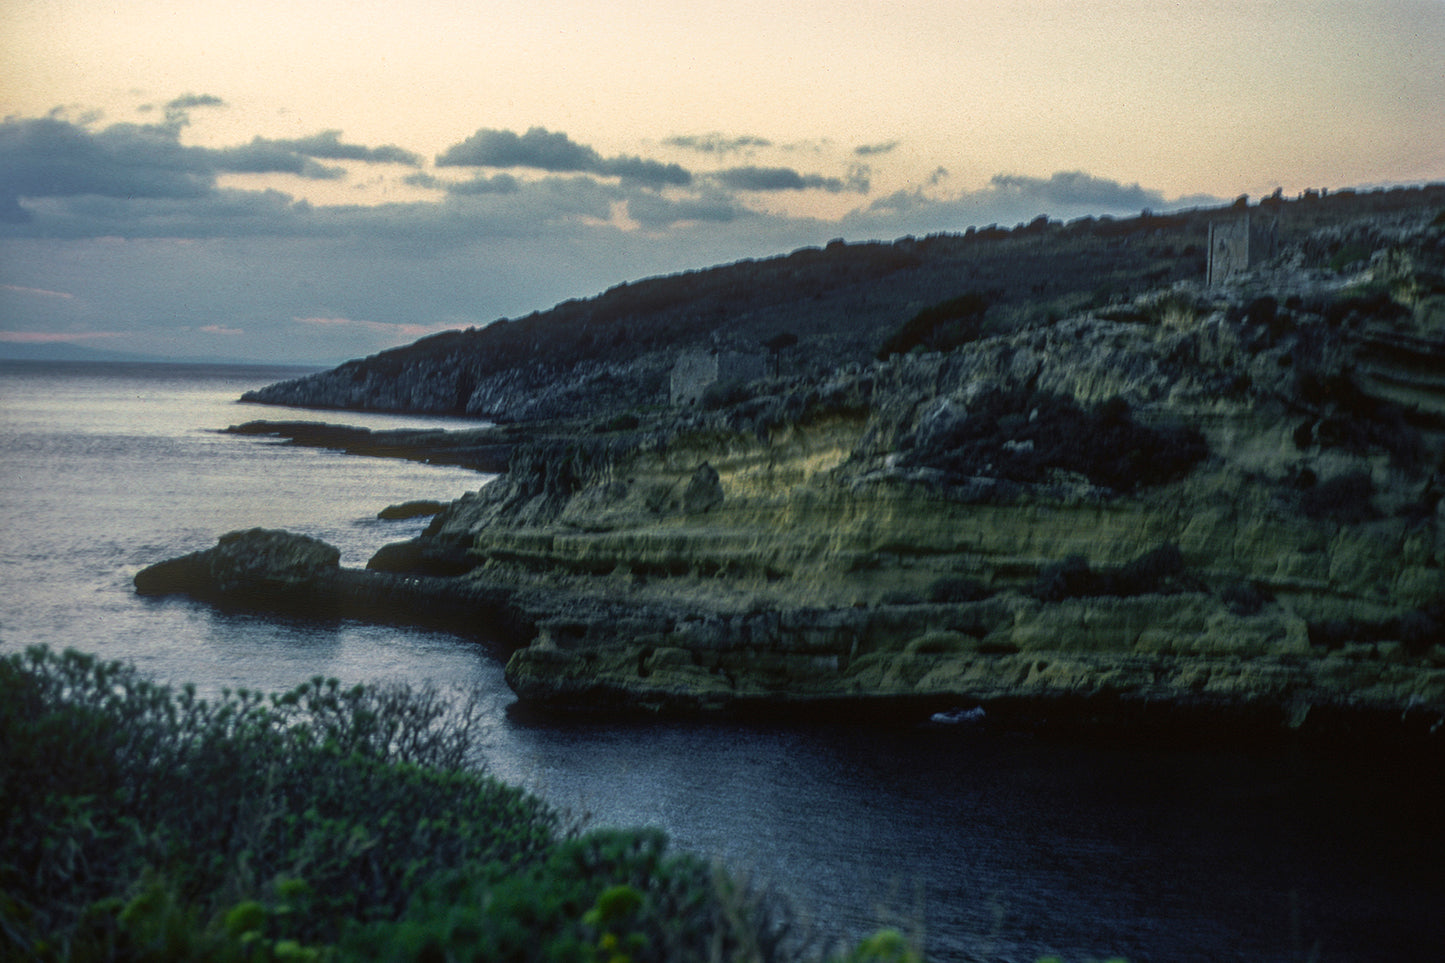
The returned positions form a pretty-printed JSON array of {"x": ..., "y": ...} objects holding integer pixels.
[{"x": 1203, "y": 507}]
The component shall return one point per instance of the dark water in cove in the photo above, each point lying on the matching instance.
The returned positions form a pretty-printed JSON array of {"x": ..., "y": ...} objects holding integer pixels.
[{"x": 997, "y": 846}]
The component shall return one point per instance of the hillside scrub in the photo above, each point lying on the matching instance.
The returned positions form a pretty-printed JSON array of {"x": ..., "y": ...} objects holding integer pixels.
[{"x": 941, "y": 327}]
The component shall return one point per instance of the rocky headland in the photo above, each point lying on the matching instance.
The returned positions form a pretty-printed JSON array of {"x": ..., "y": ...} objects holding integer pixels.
[{"x": 1217, "y": 501}]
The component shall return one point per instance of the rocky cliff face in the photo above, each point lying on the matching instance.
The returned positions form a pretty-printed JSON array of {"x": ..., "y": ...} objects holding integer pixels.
[{"x": 1226, "y": 500}]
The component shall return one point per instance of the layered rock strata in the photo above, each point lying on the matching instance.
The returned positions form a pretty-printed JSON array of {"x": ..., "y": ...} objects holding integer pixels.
[{"x": 1223, "y": 501}]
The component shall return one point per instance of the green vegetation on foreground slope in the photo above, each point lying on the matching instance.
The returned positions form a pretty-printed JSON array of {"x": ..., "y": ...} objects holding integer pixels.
[{"x": 327, "y": 823}]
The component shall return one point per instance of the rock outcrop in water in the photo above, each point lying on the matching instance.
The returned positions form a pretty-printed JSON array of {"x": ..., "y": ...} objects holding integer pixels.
[
  {"x": 257, "y": 568},
  {"x": 1220, "y": 500}
]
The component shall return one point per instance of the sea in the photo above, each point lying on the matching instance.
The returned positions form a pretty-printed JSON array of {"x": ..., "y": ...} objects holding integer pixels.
[{"x": 980, "y": 842}]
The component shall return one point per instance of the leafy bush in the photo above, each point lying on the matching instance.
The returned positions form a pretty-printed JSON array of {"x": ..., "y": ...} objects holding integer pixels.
[
  {"x": 940, "y": 327},
  {"x": 1356, "y": 422},
  {"x": 1352, "y": 253},
  {"x": 144, "y": 823},
  {"x": 604, "y": 895},
  {"x": 1364, "y": 305}
]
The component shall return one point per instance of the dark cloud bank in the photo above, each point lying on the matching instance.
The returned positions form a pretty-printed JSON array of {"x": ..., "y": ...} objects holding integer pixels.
[
  {"x": 47, "y": 158},
  {"x": 59, "y": 178},
  {"x": 534, "y": 224},
  {"x": 556, "y": 152}
]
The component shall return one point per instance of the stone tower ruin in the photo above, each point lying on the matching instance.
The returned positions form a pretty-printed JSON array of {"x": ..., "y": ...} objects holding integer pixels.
[
  {"x": 696, "y": 370},
  {"x": 1238, "y": 244}
]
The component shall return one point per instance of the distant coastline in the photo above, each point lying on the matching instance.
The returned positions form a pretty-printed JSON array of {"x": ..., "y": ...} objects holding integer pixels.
[{"x": 60, "y": 352}]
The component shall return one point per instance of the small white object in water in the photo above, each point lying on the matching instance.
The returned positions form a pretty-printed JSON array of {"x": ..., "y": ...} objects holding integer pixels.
[{"x": 958, "y": 716}]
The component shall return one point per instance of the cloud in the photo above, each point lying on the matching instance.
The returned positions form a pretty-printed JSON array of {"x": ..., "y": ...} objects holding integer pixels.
[
  {"x": 786, "y": 179},
  {"x": 60, "y": 179},
  {"x": 390, "y": 329},
  {"x": 36, "y": 292},
  {"x": 188, "y": 101},
  {"x": 327, "y": 145},
  {"x": 138, "y": 228},
  {"x": 1006, "y": 199},
  {"x": 642, "y": 171},
  {"x": 653, "y": 211},
  {"x": 47, "y": 157},
  {"x": 263, "y": 156},
  {"x": 557, "y": 153},
  {"x": 717, "y": 143},
  {"x": 873, "y": 150},
  {"x": 537, "y": 148},
  {"x": 57, "y": 337},
  {"x": 178, "y": 111},
  {"x": 496, "y": 184},
  {"x": 1076, "y": 189}
]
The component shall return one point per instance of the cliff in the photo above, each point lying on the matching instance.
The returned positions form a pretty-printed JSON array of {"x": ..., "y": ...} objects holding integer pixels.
[{"x": 1220, "y": 500}]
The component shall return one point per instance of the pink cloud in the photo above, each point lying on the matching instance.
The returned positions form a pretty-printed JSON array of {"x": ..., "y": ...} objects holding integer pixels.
[
  {"x": 55, "y": 337},
  {"x": 221, "y": 329},
  {"x": 399, "y": 330},
  {"x": 40, "y": 292}
]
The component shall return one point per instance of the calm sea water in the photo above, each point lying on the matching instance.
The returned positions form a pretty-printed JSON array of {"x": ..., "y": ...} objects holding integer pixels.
[{"x": 996, "y": 846}]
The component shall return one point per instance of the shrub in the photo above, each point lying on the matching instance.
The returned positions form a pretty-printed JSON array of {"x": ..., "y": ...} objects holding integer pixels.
[
  {"x": 1155, "y": 571},
  {"x": 139, "y": 822},
  {"x": 1025, "y": 437},
  {"x": 1348, "y": 254},
  {"x": 626, "y": 421},
  {"x": 1357, "y": 422},
  {"x": 724, "y": 394},
  {"x": 1365, "y": 305},
  {"x": 1344, "y": 498},
  {"x": 362, "y": 790},
  {"x": 608, "y": 894},
  {"x": 940, "y": 327}
]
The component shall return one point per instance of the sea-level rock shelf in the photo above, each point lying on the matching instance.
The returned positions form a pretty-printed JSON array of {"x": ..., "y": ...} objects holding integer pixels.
[{"x": 1217, "y": 503}]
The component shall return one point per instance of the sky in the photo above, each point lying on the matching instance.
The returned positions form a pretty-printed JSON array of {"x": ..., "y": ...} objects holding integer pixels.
[{"x": 318, "y": 180}]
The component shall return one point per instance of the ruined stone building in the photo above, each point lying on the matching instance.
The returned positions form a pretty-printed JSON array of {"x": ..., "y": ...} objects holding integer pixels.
[
  {"x": 695, "y": 370},
  {"x": 1238, "y": 244}
]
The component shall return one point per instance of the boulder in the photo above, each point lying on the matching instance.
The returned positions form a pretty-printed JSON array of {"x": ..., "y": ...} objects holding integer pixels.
[
  {"x": 704, "y": 491},
  {"x": 255, "y": 568},
  {"x": 416, "y": 509}
]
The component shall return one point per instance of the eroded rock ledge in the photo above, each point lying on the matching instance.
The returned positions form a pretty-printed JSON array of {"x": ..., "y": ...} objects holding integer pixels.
[{"x": 1216, "y": 502}]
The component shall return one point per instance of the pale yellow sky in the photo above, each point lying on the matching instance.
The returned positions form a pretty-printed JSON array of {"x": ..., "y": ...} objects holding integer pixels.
[
  {"x": 1185, "y": 97},
  {"x": 209, "y": 175}
]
